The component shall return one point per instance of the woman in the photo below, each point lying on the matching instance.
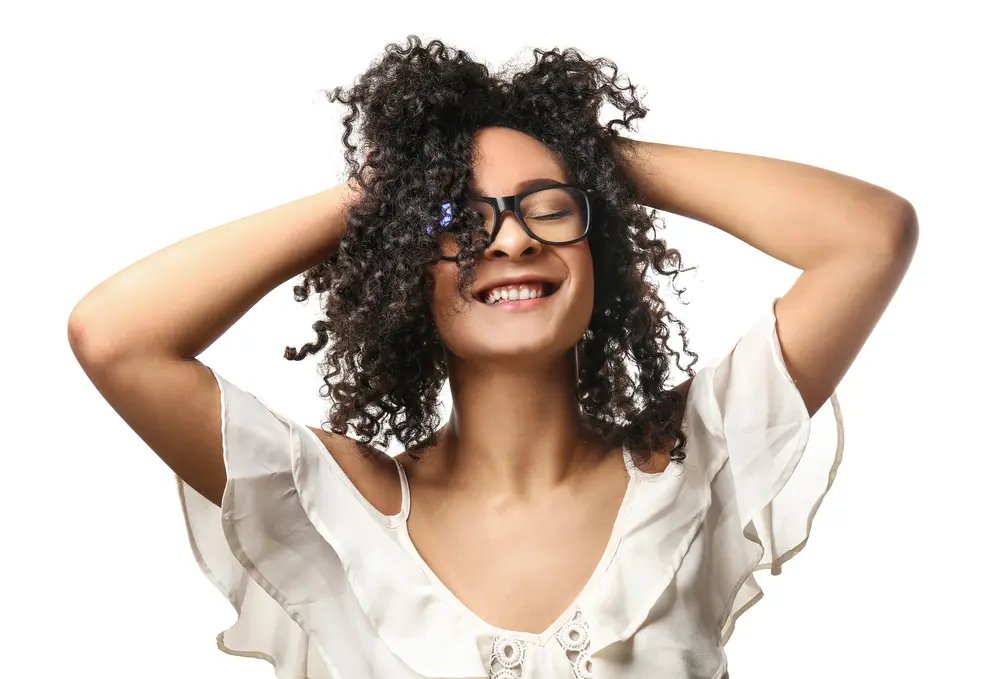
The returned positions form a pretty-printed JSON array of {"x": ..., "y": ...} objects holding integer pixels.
[{"x": 577, "y": 515}]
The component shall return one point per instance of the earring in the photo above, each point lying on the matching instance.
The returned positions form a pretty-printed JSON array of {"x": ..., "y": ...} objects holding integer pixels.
[{"x": 576, "y": 362}]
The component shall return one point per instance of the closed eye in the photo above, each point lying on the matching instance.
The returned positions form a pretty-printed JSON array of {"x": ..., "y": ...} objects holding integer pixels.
[{"x": 554, "y": 215}]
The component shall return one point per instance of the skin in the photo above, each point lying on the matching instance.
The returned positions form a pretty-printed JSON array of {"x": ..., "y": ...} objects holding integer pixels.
[
  {"x": 514, "y": 464},
  {"x": 508, "y": 365}
]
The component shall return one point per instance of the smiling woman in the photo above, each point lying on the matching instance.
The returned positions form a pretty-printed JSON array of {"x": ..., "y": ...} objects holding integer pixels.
[
  {"x": 503, "y": 204},
  {"x": 513, "y": 226},
  {"x": 494, "y": 239}
]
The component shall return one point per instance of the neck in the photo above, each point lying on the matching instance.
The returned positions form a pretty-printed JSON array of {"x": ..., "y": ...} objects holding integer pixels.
[{"x": 514, "y": 428}]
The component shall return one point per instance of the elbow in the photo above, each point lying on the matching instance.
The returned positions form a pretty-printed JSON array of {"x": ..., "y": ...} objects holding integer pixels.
[
  {"x": 79, "y": 338},
  {"x": 898, "y": 230},
  {"x": 907, "y": 231},
  {"x": 85, "y": 343}
]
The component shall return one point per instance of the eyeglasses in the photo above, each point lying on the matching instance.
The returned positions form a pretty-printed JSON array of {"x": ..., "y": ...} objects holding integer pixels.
[{"x": 555, "y": 214}]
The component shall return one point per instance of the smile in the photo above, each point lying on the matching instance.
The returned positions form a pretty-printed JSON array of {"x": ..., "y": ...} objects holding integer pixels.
[{"x": 519, "y": 295}]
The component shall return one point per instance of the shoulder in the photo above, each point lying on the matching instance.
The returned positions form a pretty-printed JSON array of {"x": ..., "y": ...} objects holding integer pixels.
[
  {"x": 659, "y": 460},
  {"x": 683, "y": 387},
  {"x": 372, "y": 471}
]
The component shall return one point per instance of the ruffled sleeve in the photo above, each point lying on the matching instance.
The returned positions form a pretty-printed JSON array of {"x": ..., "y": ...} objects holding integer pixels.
[
  {"x": 227, "y": 540},
  {"x": 779, "y": 465},
  {"x": 294, "y": 588}
]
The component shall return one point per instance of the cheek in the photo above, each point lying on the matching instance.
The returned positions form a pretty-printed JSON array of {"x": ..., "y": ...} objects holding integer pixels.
[
  {"x": 445, "y": 300},
  {"x": 581, "y": 267}
]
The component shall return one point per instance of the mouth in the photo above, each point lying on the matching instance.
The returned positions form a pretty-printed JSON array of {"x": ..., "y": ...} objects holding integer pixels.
[{"x": 523, "y": 295}]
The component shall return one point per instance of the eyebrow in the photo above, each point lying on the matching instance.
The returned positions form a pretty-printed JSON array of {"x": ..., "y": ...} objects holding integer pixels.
[{"x": 523, "y": 185}]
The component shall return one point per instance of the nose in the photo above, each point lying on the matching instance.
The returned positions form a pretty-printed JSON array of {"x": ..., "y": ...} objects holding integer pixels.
[{"x": 511, "y": 240}]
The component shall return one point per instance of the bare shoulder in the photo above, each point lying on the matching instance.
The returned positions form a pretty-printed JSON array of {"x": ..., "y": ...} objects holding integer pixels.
[
  {"x": 660, "y": 460},
  {"x": 372, "y": 471},
  {"x": 683, "y": 387}
]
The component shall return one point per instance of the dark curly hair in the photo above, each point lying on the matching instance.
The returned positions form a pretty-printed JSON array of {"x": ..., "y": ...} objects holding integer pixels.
[{"x": 416, "y": 110}]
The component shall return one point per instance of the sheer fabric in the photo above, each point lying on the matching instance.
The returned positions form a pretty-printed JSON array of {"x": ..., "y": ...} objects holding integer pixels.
[{"x": 326, "y": 587}]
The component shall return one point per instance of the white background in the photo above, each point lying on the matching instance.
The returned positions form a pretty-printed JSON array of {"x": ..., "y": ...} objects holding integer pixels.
[{"x": 127, "y": 126}]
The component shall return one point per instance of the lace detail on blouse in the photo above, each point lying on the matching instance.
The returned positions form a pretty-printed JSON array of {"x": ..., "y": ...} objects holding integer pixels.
[
  {"x": 507, "y": 659},
  {"x": 574, "y": 637}
]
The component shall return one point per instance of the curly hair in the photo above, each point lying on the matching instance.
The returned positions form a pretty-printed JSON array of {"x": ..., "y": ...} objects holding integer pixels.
[{"x": 416, "y": 110}]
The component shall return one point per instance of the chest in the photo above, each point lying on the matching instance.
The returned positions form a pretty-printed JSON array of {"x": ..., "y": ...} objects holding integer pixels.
[{"x": 517, "y": 566}]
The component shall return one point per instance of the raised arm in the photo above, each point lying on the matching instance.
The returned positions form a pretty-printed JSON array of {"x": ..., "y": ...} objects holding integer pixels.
[
  {"x": 853, "y": 241},
  {"x": 138, "y": 333}
]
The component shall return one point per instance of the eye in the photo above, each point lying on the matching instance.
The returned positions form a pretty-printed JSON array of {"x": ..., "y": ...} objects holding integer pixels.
[{"x": 554, "y": 215}]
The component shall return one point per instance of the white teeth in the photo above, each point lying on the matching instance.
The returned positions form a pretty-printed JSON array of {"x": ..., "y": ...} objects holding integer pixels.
[{"x": 513, "y": 293}]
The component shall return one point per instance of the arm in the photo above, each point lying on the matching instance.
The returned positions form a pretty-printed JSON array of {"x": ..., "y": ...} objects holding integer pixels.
[
  {"x": 853, "y": 241},
  {"x": 176, "y": 302},
  {"x": 137, "y": 334}
]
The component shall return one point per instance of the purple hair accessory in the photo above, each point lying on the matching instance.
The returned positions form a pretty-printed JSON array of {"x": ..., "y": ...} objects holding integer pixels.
[{"x": 445, "y": 219}]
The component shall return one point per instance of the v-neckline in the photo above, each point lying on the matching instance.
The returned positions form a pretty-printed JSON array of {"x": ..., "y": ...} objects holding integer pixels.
[{"x": 540, "y": 638}]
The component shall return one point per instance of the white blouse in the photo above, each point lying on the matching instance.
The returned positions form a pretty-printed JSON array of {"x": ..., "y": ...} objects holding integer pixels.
[{"x": 326, "y": 587}]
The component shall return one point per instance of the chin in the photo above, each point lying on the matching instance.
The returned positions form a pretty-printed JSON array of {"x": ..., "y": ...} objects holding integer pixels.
[
  {"x": 518, "y": 349},
  {"x": 544, "y": 333},
  {"x": 503, "y": 346}
]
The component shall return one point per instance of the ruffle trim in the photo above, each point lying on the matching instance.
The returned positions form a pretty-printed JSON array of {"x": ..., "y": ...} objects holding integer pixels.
[
  {"x": 786, "y": 506},
  {"x": 748, "y": 591},
  {"x": 281, "y": 624},
  {"x": 667, "y": 517},
  {"x": 777, "y": 483},
  {"x": 347, "y": 575},
  {"x": 301, "y": 589}
]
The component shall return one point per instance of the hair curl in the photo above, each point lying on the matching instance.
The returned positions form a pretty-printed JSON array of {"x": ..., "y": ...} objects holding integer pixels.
[{"x": 416, "y": 110}]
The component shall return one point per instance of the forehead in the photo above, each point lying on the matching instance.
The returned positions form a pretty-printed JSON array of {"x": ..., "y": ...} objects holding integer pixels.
[{"x": 507, "y": 161}]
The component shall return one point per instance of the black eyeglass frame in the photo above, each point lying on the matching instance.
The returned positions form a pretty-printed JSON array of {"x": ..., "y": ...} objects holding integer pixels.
[{"x": 502, "y": 204}]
